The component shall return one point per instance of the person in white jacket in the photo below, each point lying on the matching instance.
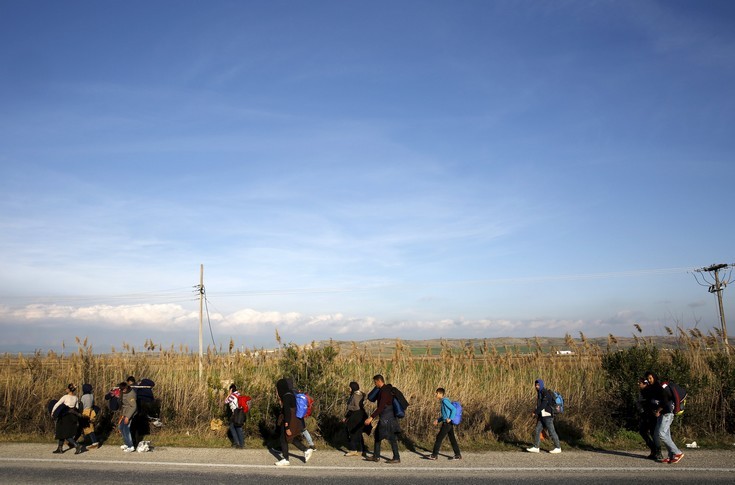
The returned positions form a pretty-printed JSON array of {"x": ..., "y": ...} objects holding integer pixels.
[{"x": 67, "y": 420}]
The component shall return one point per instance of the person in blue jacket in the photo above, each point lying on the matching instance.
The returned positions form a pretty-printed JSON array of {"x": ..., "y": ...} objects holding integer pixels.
[
  {"x": 544, "y": 415},
  {"x": 447, "y": 426}
]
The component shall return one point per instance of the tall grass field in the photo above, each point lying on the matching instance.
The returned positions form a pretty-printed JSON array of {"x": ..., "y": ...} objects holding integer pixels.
[{"x": 494, "y": 385}]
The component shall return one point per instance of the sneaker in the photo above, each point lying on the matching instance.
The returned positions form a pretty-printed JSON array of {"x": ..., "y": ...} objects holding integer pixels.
[
  {"x": 122, "y": 447},
  {"x": 555, "y": 450},
  {"x": 431, "y": 457},
  {"x": 93, "y": 445},
  {"x": 372, "y": 458},
  {"x": 282, "y": 462},
  {"x": 666, "y": 460},
  {"x": 393, "y": 461},
  {"x": 352, "y": 453},
  {"x": 307, "y": 454},
  {"x": 129, "y": 449},
  {"x": 533, "y": 449},
  {"x": 456, "y": 457},
  {"x": 676, "y": 458}
]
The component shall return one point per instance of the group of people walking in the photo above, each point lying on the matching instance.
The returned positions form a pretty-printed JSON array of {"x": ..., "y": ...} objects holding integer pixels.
[{"x": 76, "y": 417}]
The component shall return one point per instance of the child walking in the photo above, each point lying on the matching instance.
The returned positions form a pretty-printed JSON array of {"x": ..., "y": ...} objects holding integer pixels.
[{"x": 447, "y": 427}]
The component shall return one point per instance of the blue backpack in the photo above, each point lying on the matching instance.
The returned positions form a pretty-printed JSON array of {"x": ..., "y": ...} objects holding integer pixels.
[
  {"x": 458, "y": 412},
  {"x": 557, "y": 402},
  {"x": 398, "y": 410},
  {"x": 302, "y": 405}
]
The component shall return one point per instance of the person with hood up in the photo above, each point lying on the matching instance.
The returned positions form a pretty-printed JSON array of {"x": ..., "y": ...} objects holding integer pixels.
[
  {"x": 289, "y": 424},
  {"x": 544, "y": 414},
  {"x": 67, "y": 419},
  {"x": 354, "y": 420},
  {"x": 663, "y": 409},
  {"x": 89, "y": 414}
]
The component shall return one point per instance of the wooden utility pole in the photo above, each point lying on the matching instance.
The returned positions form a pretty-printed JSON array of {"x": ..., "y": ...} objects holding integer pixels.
[
  {"x": 201, "y": 317},
  {"x": 716, "y": 287}
]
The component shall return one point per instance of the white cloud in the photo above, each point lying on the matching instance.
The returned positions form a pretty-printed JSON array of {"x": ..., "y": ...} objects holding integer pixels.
[{"x": 164, "y": 316}]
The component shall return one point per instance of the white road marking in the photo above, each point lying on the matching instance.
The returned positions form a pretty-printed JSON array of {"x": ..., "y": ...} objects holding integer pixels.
[{"x": 430, "y": 469}]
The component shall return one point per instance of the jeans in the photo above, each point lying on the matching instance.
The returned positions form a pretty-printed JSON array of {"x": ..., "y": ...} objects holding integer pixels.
[
  {"x": 663, "y": 433},
  {"x": 446, "y": 429},
  {"x": 548, "y": 423},
  {"x": 305, "y": 433},
  {"x": 238, "y": 436},
  {"x": 125, "y": 431}
]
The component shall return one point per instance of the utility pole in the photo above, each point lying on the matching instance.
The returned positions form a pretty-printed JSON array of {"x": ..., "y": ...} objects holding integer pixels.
[
  {"x": 201, "y": 316},
  {"x": 716, "y": 285}
]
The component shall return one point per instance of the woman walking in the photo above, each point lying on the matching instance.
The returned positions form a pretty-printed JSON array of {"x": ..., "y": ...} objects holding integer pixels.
[
  {"x": 354, "y": 421},
  {"x": 67, "y": 420}
]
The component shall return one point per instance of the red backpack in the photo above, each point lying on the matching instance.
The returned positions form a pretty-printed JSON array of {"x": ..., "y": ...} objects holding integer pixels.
[{"x": 244, "y": 403}]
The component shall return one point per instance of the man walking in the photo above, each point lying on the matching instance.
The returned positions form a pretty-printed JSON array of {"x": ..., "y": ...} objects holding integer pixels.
[{"x": 387, "y": 426}]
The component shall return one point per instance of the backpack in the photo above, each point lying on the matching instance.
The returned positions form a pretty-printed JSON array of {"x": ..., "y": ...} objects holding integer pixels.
[
  {"x": 398, "y": 410},
  {"x": 303, "y": 405},
  {"x": 458, "y": 412},
  {"x": 243, "y": 402},
  {"x": 679, "y": 396},
  {"x": 398, "y": 396},
  {"x": 557, "y": 402},
  {"x": 113, "y": 399},
  {"x": 238, "y": 417}
]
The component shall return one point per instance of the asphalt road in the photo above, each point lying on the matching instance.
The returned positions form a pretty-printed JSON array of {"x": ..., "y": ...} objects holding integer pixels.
[{"x": 34, "y": 463}]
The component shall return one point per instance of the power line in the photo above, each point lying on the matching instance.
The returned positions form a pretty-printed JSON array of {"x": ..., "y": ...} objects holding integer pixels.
[{"x": 711, "y": 279}]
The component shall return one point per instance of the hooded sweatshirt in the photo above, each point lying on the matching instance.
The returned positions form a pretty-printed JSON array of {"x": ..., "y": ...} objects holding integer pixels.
[
  {"x": 543, "y": 401},
  {"x": 288, "y": 403},
  {"x": 660, "y": 398}
]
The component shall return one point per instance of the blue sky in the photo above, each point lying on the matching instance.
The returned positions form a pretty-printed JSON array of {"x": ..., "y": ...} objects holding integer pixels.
[{"x": 361, "y": 170}]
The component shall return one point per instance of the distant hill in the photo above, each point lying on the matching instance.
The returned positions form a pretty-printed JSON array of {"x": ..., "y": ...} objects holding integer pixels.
[{"x": 502, "y": 344}]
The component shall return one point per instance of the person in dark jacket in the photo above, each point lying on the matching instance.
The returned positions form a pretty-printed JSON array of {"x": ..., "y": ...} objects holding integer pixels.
[
  {"x": 388, "y": 425},
  {"x": 289, "y": 424},
  {"x": 647, "y": 419},
  {"x": 144, "y": 400},
  {"x": 67, "y": 420},
  {"x": 544, "y": 415},
  {"x": 354, "y": 421},
  {"x": 664, "y": 412}
]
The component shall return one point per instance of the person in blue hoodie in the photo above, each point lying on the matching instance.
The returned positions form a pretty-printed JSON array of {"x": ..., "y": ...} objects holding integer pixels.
[
  {"x": 544, "y": 415},
  {"x": 447, "y": 426}
]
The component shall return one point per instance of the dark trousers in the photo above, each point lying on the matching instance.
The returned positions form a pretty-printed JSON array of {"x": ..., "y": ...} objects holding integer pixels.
[
  {"x": 356, "y": 441},
  {"x": 446, "y": 429},
  {"x": 393, "y": 445},
  {"x": 284, "y": 443},
  {"x": 646, "y": 428}
]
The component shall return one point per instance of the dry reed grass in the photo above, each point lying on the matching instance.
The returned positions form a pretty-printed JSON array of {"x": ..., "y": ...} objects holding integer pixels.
[{"x": 495, "y": 388}]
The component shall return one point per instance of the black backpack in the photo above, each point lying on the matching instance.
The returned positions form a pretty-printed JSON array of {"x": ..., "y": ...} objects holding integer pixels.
[{"x": 398, "y": 395}]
